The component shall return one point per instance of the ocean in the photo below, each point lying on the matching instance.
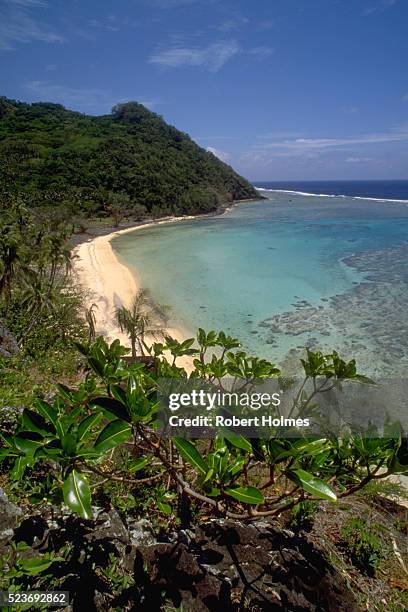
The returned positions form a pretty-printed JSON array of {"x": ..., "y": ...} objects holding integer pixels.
[
  {"x": 377, "y": 190},
  {"x": 318, "y": 264}
]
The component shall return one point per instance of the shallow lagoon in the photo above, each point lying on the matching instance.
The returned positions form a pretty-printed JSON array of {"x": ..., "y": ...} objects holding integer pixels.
[{"x": 287, "y": 272}]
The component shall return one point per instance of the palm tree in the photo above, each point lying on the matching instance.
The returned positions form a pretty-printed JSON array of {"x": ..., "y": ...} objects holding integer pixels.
[
  {"x": 90, "y": 318},
  {"x": 142, "y": 319}
]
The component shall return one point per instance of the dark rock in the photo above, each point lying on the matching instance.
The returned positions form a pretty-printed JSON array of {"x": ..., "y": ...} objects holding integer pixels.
[
  {"x": 9, "y": 516},
  {"x": 9, "y": 418},
  {"x": 141, "y": 533},
  {"x": 219, "y": 565},
  {"x": 230, "y": 566},
  {"x": 8, "y": 343}
]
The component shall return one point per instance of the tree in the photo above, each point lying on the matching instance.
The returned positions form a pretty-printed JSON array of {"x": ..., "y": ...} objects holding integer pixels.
[{"x": 142, "y": 319}]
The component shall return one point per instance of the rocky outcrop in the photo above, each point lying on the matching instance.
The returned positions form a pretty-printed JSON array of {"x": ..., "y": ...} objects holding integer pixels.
[
  {"x": 219, "y": 565},
  {"x": 8, "y": 343},
  {"x": 9, "y": 516}
]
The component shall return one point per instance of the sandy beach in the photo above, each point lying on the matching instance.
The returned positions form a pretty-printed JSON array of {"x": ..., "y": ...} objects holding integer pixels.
[{"x": 109, "y": 284}]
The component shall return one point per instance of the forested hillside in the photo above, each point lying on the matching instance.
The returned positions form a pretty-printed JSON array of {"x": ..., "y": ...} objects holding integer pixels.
[{"x": 131, "y": 159}]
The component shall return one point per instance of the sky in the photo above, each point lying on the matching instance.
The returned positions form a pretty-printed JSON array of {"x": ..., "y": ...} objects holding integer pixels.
[{"x": 279, "y": 89}]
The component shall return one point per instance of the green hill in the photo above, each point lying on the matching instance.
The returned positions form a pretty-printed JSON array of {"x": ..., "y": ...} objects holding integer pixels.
[{"x": 131, "y": 158}]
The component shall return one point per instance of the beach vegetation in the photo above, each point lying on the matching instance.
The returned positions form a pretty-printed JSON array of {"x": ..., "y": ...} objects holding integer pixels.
[
  {"x": 75, "y": 437},
  {"x": 143, "y": 319}
]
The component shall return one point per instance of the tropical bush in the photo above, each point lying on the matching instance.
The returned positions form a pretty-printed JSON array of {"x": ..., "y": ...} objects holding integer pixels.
[{"x": 106, "y": 430}]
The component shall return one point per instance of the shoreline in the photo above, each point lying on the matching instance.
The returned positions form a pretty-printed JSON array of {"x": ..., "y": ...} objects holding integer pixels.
[{"x": 108, "y": 283}]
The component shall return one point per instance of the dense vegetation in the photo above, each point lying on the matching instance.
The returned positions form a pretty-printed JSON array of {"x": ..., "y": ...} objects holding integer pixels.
[
  {"x": 130, "y": 162},
  {"x": 78, "y": 417},
  {"x": 116, "y": 407},
  {"x": 97, "y": 445}
]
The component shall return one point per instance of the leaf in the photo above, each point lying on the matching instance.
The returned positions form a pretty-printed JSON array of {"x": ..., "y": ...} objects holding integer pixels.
[
  {"x": 208, "y": 476},
  {"x": 32, "y": 421},
  {"x": 86, "y": 425},
  {"x": 113, "y": 406},
  {"x": 236, "y": 440},
  {"x": 27, "y": 445},
  {"x": 77, "y": 494},
  {"x": 65, "y": 392},
  {"x": 36, "y": 565},
  {"x": 138, "y": 464},
  {"x": 189, "y": 452},
  {"x": 247, "y": 495},
  {"x": 113, "y": 434},
  {"x": 19, "y": 468},
  {"x": 166, "y": 508},
  {"x": 96, "y": 365},
  {"x": 312, "y": 485},
  {"x": 49, "y": 413},
  {"x": 69, "y": 444}
]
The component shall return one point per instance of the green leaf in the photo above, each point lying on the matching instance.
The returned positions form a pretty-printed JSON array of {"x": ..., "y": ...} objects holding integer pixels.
[
  {"x": 113, "y": 406},
  {"x": 77, "y": 494},
  {"x": 86, "y": 425},
  {"x": 113, "y": 434},
  {"x": 166, "y": 508},
  {"x": 208, "y": 476},
  {"x": 189, "y": 452},
  {"x": 69, "y": 444},
  {"x": 312, "y": 485},
  {"x": 48, "y": 412},
  {"x": 33, "y": 421},
  {"x": 36, "y": 565},
  {"x": 138, "y": 464},
  {"x": 236, "y": 440},
  {"x": 19, "y": 468},
  {"x": 65, "y": 392},
  {"x": 27, "y": 445},
  {"x": 247, "y": 495}
]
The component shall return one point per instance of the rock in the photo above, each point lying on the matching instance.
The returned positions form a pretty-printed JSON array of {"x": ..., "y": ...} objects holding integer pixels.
[
  {"x": 9, "y": 516},
  {"x": 227, "y": 564},
  {"x": 218, "y": 565},
  {"x": 8, "y": 343},
  {"x": 9, "y": 418},
  {"x": 141, "y": 533}
]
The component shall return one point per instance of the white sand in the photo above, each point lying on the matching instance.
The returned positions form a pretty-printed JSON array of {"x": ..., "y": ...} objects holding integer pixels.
[{"x": 110, "y": 284}]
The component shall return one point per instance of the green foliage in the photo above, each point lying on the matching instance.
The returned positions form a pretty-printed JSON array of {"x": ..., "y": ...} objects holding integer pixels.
[
  {"x": 141, "y": 319},
  {"x": 302, "y": 515},
  {"x": 362, "y": 541},
  {"x": 129, "y": 163},
  {"x": 20, "y": 570},
  {"x": 37, "y": 301},
  {"x": 73, "y": 442}
]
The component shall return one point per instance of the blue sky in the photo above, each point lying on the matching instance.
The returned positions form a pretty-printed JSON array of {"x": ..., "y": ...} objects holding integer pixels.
[{"x": 280, "y": 89}]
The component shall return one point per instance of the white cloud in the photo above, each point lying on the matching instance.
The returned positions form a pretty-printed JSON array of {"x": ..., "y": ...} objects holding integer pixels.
[
  {"x": 85, "y": 98},
  {"x": 212, "y": 57},
  {"x": 222, "y": 155},
  {"x": 302, "y": 149},
  {"x": 105, "y": 24},
  {"x": 18, "y": 24},
  {"x": 261, "y": 53},
  {"x": 380, "y": 6},
  {"x": 233, "y": 25},
  {"x": 301, "y": 145}
]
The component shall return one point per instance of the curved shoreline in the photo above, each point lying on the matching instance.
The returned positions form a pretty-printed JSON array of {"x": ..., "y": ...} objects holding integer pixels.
[{"x": 109, "y": 283}]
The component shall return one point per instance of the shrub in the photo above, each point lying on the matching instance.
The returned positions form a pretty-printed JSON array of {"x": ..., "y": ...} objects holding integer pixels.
[{"x": 74, "y": 438}]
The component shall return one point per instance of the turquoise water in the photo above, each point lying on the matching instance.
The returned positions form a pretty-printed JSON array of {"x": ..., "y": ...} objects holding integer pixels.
[{"x": 287, "y": 272}]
